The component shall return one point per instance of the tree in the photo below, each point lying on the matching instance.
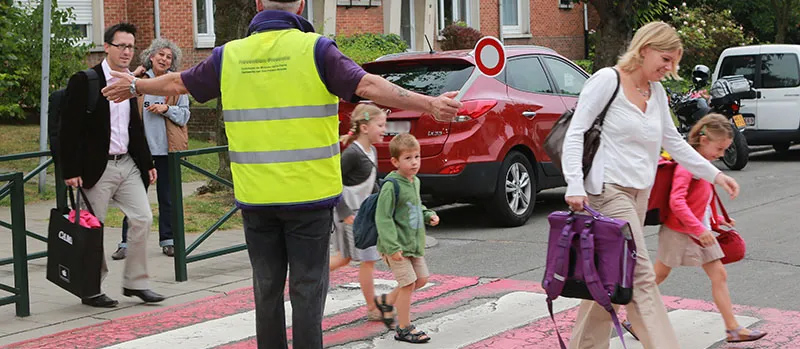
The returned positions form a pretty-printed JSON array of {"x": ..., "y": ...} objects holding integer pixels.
[
  {"x": 618, "y": 18},
  {"x": 705, "y": 33},
  {"x": 231, "y": 19},
  {"x": 785, "y": 10},
  {"x": 21, "y": 55}
]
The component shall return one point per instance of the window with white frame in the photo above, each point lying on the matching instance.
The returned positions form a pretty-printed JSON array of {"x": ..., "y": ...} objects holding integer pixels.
[
  {"x": 82, "y": 13},
  {"x": 453, "y": 11},
  {"x": 565, "y": 4},
  {"x": 204, "y": 23},
  {"x": 514, "y": 16}
]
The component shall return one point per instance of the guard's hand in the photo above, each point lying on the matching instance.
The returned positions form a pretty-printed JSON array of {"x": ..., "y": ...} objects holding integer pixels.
[
  {"x": 153, "y": 175},
  {"x": 397, "y": 256},
  {"x": 74, "y": 182},
  {"x": 434, "y": 220},
  {"x": 120, "y": 90},
  {"x": 444, "y": 107},
  {"x": 707, "y": 238},
  {"x": 350, "y": 219},
  {"x": 158, "y": 108},
  {"x": 727, "y": 183},
  {"x": 576, "y": 202}
]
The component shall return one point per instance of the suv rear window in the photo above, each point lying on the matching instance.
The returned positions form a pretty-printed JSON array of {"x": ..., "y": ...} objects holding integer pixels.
[{"x": 428, "y": 78}]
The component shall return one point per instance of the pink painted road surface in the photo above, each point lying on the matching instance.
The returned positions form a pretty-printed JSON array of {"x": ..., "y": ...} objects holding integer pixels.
[{"x": 458, "y": 312}]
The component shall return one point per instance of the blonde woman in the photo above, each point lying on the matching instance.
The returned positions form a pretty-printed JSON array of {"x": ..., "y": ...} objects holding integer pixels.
[{"x": 637, "y": 125}]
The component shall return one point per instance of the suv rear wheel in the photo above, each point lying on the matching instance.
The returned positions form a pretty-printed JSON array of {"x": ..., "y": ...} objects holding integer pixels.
[{"x": 515, "y": 194}]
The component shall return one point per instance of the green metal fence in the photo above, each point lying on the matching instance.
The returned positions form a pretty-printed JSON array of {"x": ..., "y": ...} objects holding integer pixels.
[
  {"x": 182, "y": 251},
  {"x": 5, "y": 190},
  {"x": 20, "y": 293}
]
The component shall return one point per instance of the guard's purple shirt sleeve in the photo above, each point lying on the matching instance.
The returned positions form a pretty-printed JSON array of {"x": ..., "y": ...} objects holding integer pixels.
[
  {"x": 339, "y": 73},
  {"x": 202, "y": 80}
]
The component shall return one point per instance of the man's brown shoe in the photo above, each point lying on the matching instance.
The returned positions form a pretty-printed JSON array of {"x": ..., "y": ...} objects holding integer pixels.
[{"x": 168, "y": 250}]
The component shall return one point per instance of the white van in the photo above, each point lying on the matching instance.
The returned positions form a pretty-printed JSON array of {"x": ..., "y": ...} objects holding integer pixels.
[{"x": 773, "y": 119}]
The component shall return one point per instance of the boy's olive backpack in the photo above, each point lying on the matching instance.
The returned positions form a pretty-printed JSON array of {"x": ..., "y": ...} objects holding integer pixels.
[
  {"x": 365, "y": 231},
  {"x": 57, "y": 101}
]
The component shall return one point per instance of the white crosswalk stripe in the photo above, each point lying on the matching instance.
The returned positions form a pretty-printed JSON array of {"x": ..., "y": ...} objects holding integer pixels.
[
  {"x": 696, "y": 329},
  {"x": 242, "y": 326},
  {"x": 481, "y": 321}
]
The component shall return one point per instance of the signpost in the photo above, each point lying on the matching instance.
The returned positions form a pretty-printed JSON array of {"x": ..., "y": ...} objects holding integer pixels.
[{"x": 490, "y": 59}]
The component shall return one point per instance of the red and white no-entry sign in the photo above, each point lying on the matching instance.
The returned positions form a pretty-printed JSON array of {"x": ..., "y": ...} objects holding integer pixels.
[
  {"x": 490, "y": 59},
  {"x": 490, "y": 56}
]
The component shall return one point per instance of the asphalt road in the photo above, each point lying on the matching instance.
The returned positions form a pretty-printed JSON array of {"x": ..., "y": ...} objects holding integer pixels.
[{"x": 767, "y": 214}]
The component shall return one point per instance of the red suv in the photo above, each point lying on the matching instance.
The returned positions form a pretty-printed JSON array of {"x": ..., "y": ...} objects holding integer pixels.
[{"x": 492, "y": 152}]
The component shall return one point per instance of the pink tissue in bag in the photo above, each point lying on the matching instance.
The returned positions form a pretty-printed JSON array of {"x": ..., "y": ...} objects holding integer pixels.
[{"x": 87, "y": 220}]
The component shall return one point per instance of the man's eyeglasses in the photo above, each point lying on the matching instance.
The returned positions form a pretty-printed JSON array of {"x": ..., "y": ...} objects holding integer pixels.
[{"x": 122, "y": 47}]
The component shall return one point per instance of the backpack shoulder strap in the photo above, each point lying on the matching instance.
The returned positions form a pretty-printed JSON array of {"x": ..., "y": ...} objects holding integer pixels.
[
  {"x": 94, "y": 90},
  {"x": 602, "y": 116},
  {"x": 396, "y": 190},
  {"x": 592, "y": 279}
]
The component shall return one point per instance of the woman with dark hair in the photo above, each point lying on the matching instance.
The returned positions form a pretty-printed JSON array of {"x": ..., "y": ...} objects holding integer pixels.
[{"x": 165, "y": 119}]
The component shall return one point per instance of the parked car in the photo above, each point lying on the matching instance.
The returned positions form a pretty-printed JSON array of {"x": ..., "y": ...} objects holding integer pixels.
[
  {"x": 491, "y": 154},
  {"x": 773, "y": 118}
]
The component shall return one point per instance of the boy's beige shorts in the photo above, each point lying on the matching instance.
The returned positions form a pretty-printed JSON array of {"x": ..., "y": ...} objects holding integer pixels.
[{"x": 408, "y": 270}]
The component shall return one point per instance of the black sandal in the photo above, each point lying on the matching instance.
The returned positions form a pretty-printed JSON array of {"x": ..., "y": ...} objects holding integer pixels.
[
  {"x": 385, "y": 309},
  {"x": 406, "y": 335}
]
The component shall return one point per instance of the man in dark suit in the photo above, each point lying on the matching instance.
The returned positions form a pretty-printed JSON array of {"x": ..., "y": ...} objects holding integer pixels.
[{"x": 106, "y": 153}]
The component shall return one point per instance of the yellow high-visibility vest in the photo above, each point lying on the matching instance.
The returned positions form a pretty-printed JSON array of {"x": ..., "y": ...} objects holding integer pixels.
[{"x": 281, "y": 121}]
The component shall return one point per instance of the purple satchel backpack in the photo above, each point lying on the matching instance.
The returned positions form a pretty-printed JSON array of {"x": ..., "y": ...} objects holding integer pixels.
[{"x": 589, "y": 257}]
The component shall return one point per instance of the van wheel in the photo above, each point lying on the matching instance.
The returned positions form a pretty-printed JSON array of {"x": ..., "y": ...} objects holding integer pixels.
[
  {"x": 515, "y": 194},
  {"x": 781, "y": 147}
]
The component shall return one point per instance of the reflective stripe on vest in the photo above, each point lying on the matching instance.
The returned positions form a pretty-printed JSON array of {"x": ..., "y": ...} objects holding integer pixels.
[{"x": 281, "y": 121}]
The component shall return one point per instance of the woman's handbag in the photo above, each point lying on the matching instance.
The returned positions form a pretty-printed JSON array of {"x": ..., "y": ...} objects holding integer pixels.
[
  {"x": 74, "y": 252},
  {"x": 729, "y": 240},
  {"x": 554, "y": 143}
]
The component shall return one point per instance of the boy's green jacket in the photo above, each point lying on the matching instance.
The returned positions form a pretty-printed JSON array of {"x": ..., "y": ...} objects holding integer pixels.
[{"x": 405, "y": 231}]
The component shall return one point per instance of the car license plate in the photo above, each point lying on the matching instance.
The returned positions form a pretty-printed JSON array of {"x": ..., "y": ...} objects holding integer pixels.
[
  {"x": 394, "y": 128},
  {"x": 738, "y": 120}
]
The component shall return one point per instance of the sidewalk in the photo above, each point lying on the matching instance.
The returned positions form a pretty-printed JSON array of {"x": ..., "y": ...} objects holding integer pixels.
[{"x": 54, "y": 310}]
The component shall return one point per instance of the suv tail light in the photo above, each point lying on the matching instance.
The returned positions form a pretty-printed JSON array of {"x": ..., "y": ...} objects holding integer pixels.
[
  {"x": 735, "y": 107},
  {"x": 474, "y": 109}
]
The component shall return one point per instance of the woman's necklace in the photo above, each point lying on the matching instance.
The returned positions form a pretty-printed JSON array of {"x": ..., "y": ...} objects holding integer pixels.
[{"x": 644, "y": 93}]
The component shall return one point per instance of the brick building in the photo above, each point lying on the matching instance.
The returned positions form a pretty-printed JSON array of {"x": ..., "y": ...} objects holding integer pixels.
[{"x": 558, "y": 24}]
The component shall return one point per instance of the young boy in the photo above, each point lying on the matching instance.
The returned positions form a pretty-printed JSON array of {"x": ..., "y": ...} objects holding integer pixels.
[{"x": 401, "y": 233}]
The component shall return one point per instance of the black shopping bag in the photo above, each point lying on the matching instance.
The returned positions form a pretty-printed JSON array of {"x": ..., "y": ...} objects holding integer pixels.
[{"x": 74, "y": 252}]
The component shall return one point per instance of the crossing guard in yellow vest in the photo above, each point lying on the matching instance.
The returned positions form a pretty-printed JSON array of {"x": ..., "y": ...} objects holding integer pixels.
[
  {"x": 279, "y": 89},
  {"x": 281, "y": 120}
]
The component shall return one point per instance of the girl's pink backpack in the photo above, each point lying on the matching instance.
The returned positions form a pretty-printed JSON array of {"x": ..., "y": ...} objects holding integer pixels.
[{"x": 658, "y": 203}]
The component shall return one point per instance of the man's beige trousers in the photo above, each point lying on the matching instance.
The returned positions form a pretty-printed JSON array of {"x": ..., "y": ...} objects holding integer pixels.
[{"x": 122, "y": 183}]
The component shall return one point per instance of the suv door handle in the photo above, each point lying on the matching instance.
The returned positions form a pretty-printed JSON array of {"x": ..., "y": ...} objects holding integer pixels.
[{"x": 529, "y": 114}]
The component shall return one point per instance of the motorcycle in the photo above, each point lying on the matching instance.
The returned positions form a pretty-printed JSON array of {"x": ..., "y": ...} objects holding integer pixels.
[{"x": 725, "y": 98}]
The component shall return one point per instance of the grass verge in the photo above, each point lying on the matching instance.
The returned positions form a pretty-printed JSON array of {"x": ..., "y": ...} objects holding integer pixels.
[{"x": 200, "y": 213}]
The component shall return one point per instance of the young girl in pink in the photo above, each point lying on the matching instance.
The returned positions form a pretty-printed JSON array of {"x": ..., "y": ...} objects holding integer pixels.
[{"x": 686, "y": 239}]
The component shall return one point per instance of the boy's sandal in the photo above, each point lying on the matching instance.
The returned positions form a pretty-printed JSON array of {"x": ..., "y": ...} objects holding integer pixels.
[
  {"x": 735, "y": 337},
  {"x": 628, "y": 327},
  {"x": 408, "y": 335},
  {"x": 387, "y": 311}
]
